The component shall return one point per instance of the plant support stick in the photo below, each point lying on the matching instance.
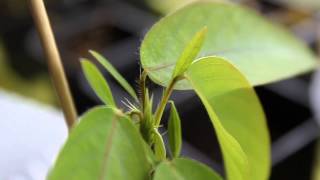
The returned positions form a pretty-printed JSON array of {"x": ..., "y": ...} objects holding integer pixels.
[
  {"x": 318, "y": 31},
  {"x": 54, "y": 62}
]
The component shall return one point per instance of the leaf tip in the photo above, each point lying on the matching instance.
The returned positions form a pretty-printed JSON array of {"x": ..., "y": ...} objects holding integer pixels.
[
  {"x": 94, "y": 53},
  {"x": 91, "y": 51},
  {"x": 203, "y": 32},
  {"x": 84, "y": 61}
]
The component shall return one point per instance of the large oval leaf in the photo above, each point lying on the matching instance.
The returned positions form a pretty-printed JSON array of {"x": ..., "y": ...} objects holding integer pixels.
[
  {"x": 263, "y": 52},
  {"x": 184, "y": 169},
  {"x": 237, "y": 115},
  {"x": 105, "y": 145}
]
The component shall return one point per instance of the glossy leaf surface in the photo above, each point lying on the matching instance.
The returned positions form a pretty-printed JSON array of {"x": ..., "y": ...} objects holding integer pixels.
[
  {"x": 97, "y": 82},
  {"x": 174, "y": 131},
  {"x": 237, "y": 116},
  {"x": 184, "y": 169},
  {"x": 115, "y": 74},
  {"x": 105, "y": 145},
  {"x": 262, "y": 51}
]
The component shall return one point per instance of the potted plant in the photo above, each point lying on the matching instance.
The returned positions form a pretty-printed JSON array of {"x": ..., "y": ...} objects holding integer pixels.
[{"x": 219, "y": 50}]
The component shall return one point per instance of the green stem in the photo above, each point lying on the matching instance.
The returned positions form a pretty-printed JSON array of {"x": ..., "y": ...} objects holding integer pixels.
[
  {"x": 164, "y": 100},
  {"x": 137, "y": 113},
  {"x": 142, "y": 83}
]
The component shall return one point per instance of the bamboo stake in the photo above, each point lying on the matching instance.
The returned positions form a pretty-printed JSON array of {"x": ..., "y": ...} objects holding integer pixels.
[
  {"x": 55, "y": 66},
  {"x": 318, "y": 32}
]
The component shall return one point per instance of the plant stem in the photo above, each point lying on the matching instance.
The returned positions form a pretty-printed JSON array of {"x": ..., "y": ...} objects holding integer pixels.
[
  {"x": 54, "y": 62},
  {"x": 143, "y": 79},
  {"x": 137, "y": 113},
  {"x": 164, "y": 100}
]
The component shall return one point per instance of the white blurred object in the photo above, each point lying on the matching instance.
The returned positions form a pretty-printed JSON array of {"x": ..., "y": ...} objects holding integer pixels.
[
  {"x": 315, "y": 95},
  {"x": 31, "y": 135}
]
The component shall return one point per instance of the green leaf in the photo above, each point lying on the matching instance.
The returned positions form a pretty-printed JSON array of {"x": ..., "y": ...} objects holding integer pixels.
[
  {"x": 166, "y": 6},
  {"x": 105, "y": 145},
  {"x": 262, "y": 51},
  {"x": 97, "y": 82},
  {"x": 150, "y": 155},
  {"x": 184, "y": 169},
  {"x": 189, "y": 53},
  {"x": 146, "y": 126},
  {"x": 174, "y": 131},
  {"x": 237, "y": 116},
  {"x": 116, "y": 75},
  {"x": 159, "y": 147}
]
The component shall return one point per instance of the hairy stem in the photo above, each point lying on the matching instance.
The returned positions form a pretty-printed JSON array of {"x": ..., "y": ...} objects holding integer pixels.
[{"x": 142, "y": 83}]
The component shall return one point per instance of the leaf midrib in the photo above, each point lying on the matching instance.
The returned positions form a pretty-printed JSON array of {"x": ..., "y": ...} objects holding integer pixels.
[
  {"x": 175, "y": 171},
  {"x": 220, "y": 53},
  {"x": 108, "y": 147}
]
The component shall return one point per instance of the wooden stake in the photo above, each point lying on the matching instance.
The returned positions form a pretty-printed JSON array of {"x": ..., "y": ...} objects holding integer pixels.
[
  {"x": 318, "y": 32},
  {"x": 54, "y": 62}
]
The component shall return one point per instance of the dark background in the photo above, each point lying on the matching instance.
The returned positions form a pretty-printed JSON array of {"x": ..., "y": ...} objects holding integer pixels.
[{"x": 116, "y": 28}]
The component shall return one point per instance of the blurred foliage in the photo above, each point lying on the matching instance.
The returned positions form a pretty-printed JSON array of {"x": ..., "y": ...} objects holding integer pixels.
[
  {"x": 313, "y": 5},
  {"x": 167, "y": 6},
  {"x": 38, "y": 88}
]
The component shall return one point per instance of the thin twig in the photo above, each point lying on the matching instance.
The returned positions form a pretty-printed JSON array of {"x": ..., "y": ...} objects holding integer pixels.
[{"x": 54, "y": 62}]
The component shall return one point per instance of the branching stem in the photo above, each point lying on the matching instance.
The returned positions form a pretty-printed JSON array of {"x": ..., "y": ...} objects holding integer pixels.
[{"x": 164, "y": 100}]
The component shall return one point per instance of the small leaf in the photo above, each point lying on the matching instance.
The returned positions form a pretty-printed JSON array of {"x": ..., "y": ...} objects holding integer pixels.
[
  {"x": 190, "y": 53},
  {"x": 116, "y": 75},
  {"x": 184, "y": 169},
  {"x": 159, "y": 147},
  {"x": 97, "y": 82},
  {"x": 146, "y": 126},
  {"x": 237, "y": 116},
  {"x": 104, "y": 145},
  {"x": 174, "y": 129},
  {"x": 150, "y": 155}
]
